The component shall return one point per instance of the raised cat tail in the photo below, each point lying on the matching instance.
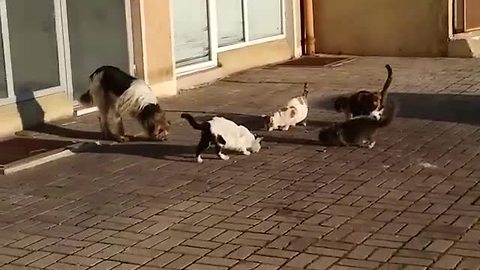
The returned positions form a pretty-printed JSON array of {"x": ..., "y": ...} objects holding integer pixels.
[
  {"x": 388, "y": 115},
  {"x": 305, "y": 90},
  {"x": 86, "y": 98},
  {"x": 193, "y": 123},
  {"x": 387, "y": 83}
]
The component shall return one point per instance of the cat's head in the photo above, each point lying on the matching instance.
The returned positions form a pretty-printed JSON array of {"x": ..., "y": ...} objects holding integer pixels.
[
  {"x": 256, "y": 146},
  {"x": 269, "y": 122}
]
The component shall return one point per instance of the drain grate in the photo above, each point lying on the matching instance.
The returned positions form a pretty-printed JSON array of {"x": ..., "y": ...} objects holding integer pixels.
[
  {"x": 313, "y": 61},
  {"x": 18, "y": 149}
]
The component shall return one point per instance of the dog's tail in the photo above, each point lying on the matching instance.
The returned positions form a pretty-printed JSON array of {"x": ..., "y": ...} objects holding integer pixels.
[
  {"x": 305, "y": 90},
  {"x": 86, "y": 98},
  {"x": 387, "y": 83},
  {"x": 193, "y": 123},
  {"x": 388, "y": 115}
]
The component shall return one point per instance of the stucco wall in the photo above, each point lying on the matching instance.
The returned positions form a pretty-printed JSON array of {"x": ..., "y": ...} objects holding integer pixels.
[
  {"x": 25, "y": 114},
  {"x": 382, "y": 27},
  {"x": 153, "y": 45}
]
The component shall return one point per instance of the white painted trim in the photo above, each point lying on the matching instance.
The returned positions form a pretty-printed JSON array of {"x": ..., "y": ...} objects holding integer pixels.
[
  {"x": 84, "y": 111},
  {"x": 212, "y": 29},
  {"x": 6, "y": 52},
  {"x": 36, "y": 162},
  {"x": 144, "y": 41},
  {"x": 246, "y": 29},
  {"x": 67, "y": 53},
  {"x": 62, "y": 73},
  {"x": 129, "y": 26},
  {"x": 182, "y": 71},
  {"x": 251, "y": 43}
]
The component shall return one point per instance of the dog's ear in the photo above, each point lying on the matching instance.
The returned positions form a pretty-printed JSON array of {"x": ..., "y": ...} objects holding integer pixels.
[{"x": 259, "y": 139}]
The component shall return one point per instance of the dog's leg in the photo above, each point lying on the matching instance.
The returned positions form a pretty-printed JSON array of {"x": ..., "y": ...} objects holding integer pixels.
[
  {"x": 120, "y": 129},
  {"x": 116, "y": 120},
  {"x": 103, "y": 119}
]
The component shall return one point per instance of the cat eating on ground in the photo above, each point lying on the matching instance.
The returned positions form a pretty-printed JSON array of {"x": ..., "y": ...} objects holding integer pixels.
[
  {"x": 364, "y": 102},
  {"x": 358, "y": 131},
  {"x": 294, "y": 113},
  {"x": 223, "y": 134}
]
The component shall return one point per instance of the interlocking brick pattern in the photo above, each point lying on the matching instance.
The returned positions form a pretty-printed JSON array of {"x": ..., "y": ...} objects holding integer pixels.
[{"x": 412, "y": 202}]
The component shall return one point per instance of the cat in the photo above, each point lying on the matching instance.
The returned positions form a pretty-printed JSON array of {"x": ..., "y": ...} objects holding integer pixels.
[
  {"x": 364, "y": 102},
  {"x": 223, "y": 134},
  {"x": 358, "y": 131},
  {"x": 116, "y": 94},
  {"x": 294, "y": 113}
]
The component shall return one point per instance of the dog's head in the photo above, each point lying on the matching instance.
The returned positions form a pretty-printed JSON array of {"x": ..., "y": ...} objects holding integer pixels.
[{"x": 154, "y": 122}]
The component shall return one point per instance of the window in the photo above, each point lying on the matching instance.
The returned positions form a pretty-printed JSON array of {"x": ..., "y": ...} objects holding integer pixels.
[
  {"x": 31, "y": 52},
  {"x": 264, "y": 18},
  {"x": 242, "y": 21},
  {"x": 230, "y": 22}
]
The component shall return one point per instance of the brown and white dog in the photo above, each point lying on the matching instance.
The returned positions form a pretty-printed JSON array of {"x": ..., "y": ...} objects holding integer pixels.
[
  {"x": 294, "y": 113},
  {"x": 117, "y": 94},
  {"x": 364, "y": 102}
]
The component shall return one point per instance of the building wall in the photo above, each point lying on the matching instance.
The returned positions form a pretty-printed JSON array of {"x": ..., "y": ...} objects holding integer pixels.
[
  {"x": 382, "y": 27},
  {"x": 254, "y": 55},
  {"x": 154, "y": 61}
]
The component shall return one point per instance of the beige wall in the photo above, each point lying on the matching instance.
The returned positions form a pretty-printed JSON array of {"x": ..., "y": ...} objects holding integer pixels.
[
  {"x": 15, "y": 117},
  {"x": 382, "y": 27},
  {"x": 153, "y": 45}
]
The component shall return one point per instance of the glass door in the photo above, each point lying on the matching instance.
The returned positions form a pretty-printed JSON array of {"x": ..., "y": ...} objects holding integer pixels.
[
  {"x": 98, "y": 35},
  {"x": 193, "y": 34}
]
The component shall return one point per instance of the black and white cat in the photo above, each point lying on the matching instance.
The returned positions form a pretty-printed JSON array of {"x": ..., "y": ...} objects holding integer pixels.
[{"x": 223, "y": 134}]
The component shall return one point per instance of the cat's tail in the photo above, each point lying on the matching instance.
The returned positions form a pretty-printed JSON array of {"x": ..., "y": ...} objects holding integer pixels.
[
  {"x": 305, "y": 90},
  {"x": 388, "y": 115},
  {"x": 86, "y": 98},
  {"x": 193, "y": 123},
  {"x": 387, "y": 83}
]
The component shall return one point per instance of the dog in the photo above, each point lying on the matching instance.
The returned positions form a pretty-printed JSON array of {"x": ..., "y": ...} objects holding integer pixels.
[
  {"x": 364, "y": 102},
  {"x": 358, "y": 131},
  {"x": 117, "y": 94}
]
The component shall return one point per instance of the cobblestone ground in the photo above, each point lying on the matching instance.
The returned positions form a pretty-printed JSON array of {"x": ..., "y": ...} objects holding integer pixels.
[{"x": 412, "y": 202}]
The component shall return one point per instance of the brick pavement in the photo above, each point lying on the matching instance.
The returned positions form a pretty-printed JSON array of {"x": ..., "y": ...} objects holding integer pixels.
[{"x": 412, "y": 202}]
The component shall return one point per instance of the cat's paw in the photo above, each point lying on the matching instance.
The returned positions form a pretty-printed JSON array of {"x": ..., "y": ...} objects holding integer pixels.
[
  {"x": 223, "y": 156},
  {"x": 246, "y": 153},
  {"x": 371, "y": 144},
  {"x": 199, "y": 159},
  {"x": 285, "y": 128}
]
